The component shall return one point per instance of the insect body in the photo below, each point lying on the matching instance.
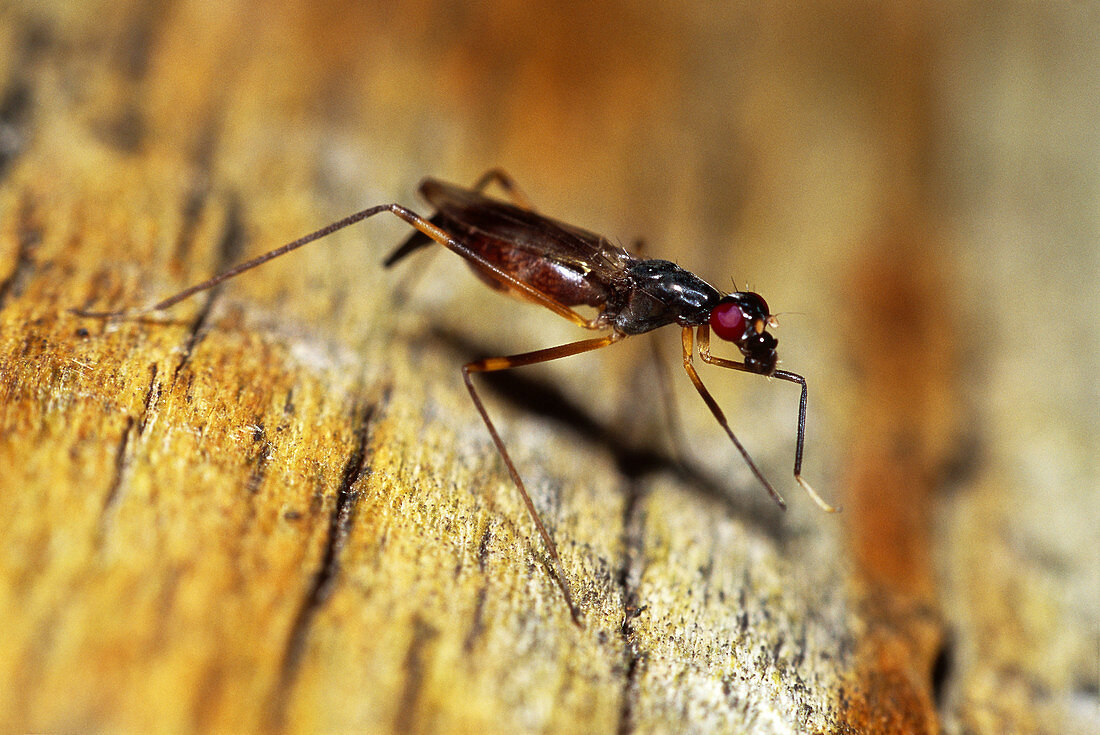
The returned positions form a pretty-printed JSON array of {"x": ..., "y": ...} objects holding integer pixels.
[{"x": 514, "y": 249}]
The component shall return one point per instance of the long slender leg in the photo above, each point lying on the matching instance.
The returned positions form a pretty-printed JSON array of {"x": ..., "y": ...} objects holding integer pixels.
[
  {"x": 689, "y": 352},
  {"x": 492, "y": 364},
  {"x": 247, "y": 265},
  {"x": 423, "y": 225},
  {"x": 704, "y": 353},
  {"x": 674, "y": 430}
]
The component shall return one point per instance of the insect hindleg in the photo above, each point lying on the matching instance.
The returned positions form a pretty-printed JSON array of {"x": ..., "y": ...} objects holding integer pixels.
[
  {"x": 247, "y": 265},
  {"x": 493, "y": 364}
]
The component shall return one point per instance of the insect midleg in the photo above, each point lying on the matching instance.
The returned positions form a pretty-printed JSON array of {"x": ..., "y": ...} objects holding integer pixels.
[
  {"x": 672, "y": 424},
  {"x": 689, "y": 351},
  {"x": 493, "y": 364},
  {"x": 704, "y": 353},
  {"x": 673, "y": 428}
]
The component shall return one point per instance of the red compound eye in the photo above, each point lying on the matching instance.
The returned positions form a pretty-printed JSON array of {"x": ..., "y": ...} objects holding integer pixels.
[{"x": 728, "y": 322}]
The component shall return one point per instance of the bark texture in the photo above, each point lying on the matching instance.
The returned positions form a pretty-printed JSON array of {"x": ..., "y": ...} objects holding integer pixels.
[{"x": 274, "y": 509}]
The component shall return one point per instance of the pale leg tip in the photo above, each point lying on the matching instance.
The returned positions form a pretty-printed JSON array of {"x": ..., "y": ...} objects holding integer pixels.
[{"x": 815, "y": 497}]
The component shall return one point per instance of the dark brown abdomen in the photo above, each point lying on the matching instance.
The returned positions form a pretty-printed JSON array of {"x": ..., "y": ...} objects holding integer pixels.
[{"x": 559, "y": 281}]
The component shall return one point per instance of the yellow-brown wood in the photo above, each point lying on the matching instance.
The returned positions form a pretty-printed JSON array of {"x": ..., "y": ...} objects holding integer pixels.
[{"x": 273, "y": 508}]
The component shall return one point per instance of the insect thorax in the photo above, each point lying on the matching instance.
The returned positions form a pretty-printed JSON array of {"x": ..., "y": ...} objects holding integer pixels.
[{"x": 661, "y": 293}]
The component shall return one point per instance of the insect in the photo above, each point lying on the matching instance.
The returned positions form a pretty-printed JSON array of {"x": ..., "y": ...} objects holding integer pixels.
[{"x": 514, "y": 249}]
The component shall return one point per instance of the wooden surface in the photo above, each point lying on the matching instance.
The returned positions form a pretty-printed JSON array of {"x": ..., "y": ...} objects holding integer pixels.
[{"x": 273, "y": 508}]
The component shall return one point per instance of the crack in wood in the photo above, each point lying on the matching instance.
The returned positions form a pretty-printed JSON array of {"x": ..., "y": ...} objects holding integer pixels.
[
  {"x": 264, "y": 451},
  {"x": 29, "y": 236},
  {"x": 230, "y": 246},
  {"x": 629, "y": 578},
  {"x": 198, "y": 192},
  {"x": 478, "y": 624},
  {"x": 14, "y": 113},
  {"x": 122, "y": 463},
  {"x": 124, "y": 127},
  {"x": 414, "y": 675},
  {"x": 17, "y": 101},
  {"x": 195, "y": 200},
  {"x": 324, "y": 578},
  {"x": 483, "y": 547},
  {"x": 124, "y": 455},
  {"x": 135, "y": 427},
  {"x": 135, "y": 46},
  {"x": 152, "y": 394}
]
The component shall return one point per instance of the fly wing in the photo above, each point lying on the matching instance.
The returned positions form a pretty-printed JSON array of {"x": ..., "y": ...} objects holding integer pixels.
[{"x": 525, "y": 230}]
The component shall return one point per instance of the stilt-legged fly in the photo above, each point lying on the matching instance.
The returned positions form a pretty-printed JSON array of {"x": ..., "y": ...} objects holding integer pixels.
[{"x": 514, "y": 249}]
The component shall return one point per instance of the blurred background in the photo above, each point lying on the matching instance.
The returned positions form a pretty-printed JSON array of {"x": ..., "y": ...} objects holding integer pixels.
[{"x": 912, "y": 186}]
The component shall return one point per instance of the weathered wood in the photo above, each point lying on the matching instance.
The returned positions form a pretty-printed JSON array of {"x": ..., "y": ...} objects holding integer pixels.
[{"x": 274, "y": 508}]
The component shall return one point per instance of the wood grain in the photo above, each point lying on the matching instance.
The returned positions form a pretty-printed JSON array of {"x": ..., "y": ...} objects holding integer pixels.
[{"x": 273, "y": 508}]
